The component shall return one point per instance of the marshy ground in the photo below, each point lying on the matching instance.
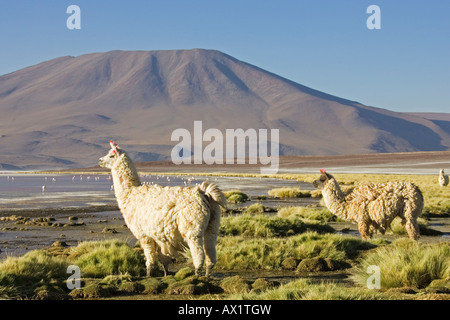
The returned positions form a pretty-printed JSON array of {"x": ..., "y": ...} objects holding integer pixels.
[{"x": 279, "y": 243}]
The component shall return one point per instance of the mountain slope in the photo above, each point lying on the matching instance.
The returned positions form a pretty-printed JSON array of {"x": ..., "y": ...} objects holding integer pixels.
[{"x": 64, "y": 111}]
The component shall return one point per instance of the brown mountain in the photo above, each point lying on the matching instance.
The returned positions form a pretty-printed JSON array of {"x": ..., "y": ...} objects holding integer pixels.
[{"x": 63, "y": 112}]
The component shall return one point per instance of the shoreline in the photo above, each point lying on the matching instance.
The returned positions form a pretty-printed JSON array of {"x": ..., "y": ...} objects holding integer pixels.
[
  {"x": 32, "y": 213},
  {"x": 428, "y": 162}
]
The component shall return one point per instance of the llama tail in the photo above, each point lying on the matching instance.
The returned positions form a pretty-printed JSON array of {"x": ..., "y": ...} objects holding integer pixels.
[
  {"x": 215, "y": 199},
  {"x": 214, "y": 193}
]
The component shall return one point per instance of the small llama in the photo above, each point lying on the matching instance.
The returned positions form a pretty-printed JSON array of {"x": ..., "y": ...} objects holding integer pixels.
[
  {"x": 374, "y": 206},
  {"x": 443, "y": 178}
]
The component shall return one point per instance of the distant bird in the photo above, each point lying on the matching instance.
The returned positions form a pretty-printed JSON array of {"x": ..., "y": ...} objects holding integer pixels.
[
  {"x": 43, "y": 188},
  {"x": 53, "y": 179},
  {"x": 443, "y": 178}
]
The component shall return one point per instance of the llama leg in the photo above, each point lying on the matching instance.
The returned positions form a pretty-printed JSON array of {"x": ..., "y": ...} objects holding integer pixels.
[
  {"x": 165, "y": 261},
  {"x": 197, "y": 253},
  {"x": 411, "y": 211},
  {"x": 363, "y": 228},
  {"x": 210, "y": 238},
  {"x": 412, "y": 228},
  {"x": 151, "y": 255},
  {"x": 210, "y": 252}
]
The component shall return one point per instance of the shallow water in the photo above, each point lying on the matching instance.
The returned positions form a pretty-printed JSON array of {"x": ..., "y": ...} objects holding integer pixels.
[{"x": 37, "y": 191}]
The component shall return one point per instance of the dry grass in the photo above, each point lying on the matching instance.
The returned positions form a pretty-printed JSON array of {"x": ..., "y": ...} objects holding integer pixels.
[
  {"x": 241, "y": 253},
  {"x": 269, "y": 226},
  {"x": 407, "y": 263},
  {"x": 235, "y": 196},
  {"x": 306, "y": 289},
  {"x": 318, "y": 214}
]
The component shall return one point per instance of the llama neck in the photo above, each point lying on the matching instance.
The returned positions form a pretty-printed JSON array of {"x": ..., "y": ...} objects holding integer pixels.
[
  {"x": 334, "y": 199},
  {"x": 125, "y": 178}
]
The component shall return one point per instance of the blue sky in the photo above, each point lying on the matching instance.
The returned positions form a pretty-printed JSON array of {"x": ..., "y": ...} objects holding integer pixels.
[{"x": 323, "y": 44}]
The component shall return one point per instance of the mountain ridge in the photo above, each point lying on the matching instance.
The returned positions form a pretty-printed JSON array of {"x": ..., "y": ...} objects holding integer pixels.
[{"x": 138, "y": 98}]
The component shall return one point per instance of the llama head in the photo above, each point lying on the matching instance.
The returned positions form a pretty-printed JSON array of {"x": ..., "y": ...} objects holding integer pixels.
[
  {"x": 323, "y": 180},
  {"x": 114, "y": 155}
]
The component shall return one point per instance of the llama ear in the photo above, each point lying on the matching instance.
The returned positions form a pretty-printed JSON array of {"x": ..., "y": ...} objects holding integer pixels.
[
  {"x": 113, "y": 145},
  {"x": 325, "y": 174}
]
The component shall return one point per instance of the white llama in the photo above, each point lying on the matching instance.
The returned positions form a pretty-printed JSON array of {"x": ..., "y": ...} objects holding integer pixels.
[
  {"x": 443, "y": 178},
  {"x": 166, "y": 220},
  {"x": 374, "y": 206}
]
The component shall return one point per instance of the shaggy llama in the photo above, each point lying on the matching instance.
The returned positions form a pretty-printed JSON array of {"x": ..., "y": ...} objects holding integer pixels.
[
  {"x": 443, "y": 178},
  {"x": 374, "y": 206},
  {"x": 166, "y": 220}
]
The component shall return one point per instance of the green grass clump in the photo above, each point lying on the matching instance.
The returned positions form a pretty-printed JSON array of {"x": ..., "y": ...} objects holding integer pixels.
[
  {"x": 25, "y": 276},
  {"x": 256, "y": 208},
  {"x": 319, "y": 214},
  {"x": 287, "y": 192},
  {"x": 269, "y": 226},
  {"x": 406, "y": 263},
  {"x": 101, "y": 258},
  {"x": 184, "y": 273},
  {"x": 235, "y": 284},
  {"x": 305, "y": 289},
  {"x": 237, "y": 253},
  {"x": 235, "y": 196}
]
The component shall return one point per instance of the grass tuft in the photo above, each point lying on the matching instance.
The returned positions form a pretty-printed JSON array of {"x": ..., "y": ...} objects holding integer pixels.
[
  {"x": 101, "y": 258},
  {"x": 318, "y": 214},
  {"x": 289, "y": 192},
  {"x": 235, "y": 196},
  {"x": 20, "y": 276},
  {"x": 269, "y": 226},
  {"x": 406, "y": 263},
  {"x": 240, "y": 253}
]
